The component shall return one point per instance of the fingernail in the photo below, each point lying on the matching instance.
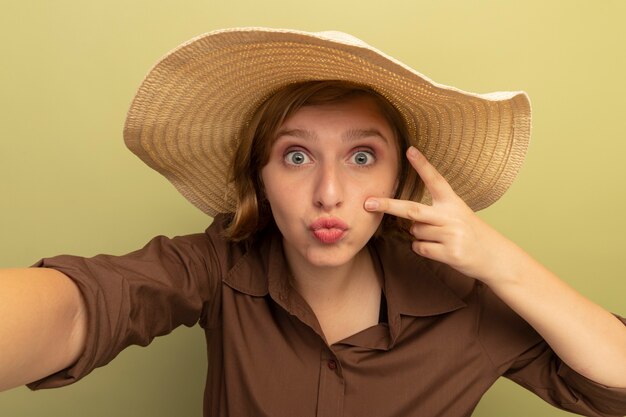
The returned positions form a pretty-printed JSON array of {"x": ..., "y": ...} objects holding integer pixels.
[
  {"x": 412, "y": 151},
  {"x": 371, "y": 205}
]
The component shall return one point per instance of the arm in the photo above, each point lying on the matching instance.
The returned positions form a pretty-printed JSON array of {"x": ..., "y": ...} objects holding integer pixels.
[
  {"x": 131, "y": 299},
  {"x": 585, "y": 336},
  {"x": 588, "y": 338},
  {"x": 42, "y": 327}
]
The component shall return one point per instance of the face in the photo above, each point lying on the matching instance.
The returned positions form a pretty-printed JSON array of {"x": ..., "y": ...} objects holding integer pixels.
[{"x": 326, "y": 161}]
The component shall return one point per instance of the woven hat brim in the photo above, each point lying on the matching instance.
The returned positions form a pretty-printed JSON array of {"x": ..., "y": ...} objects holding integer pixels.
[{"x": 185, "y": 119}]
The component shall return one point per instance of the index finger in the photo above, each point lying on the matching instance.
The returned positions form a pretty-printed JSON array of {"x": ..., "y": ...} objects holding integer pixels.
[
  {"x": 435, "y": 183},
  {"x": 406, "y": 209}
]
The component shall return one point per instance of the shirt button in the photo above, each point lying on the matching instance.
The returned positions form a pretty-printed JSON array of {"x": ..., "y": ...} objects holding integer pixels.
[{"x": 332, "y": 364}]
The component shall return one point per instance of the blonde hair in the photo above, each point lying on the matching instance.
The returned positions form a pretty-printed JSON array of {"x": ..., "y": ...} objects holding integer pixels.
[{"x": 253, "y": 213}]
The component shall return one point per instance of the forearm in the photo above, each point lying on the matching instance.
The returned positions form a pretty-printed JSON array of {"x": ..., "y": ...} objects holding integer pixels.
[
  {"x": 42, "y": 327},
  {"x": 585, "y": 336}
]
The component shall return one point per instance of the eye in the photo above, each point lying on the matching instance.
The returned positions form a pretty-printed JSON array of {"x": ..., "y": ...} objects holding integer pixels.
[
  {"x": 296, "y": 158},
  {"x": 362, "y": 158}
]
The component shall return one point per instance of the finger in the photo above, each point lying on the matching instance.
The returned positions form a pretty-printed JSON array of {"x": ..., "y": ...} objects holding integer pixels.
[
  {"x": 403, "y": 208},
  {"x": 427, "y": 232},
  {"x": 435, "y": 182},
  {"x": 430, "y": 250}
]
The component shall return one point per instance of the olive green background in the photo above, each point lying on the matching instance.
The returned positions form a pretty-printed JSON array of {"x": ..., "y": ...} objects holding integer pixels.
[{"x": 69, "y": 69}]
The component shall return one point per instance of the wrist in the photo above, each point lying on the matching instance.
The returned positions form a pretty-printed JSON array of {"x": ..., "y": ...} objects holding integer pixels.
[{"x": 505, "y": 263}]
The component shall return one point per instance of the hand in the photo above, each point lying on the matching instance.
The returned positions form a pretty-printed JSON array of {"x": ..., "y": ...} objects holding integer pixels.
[
  {"x": 586, "y": 337},
  {"x": 448, "y": 231}
]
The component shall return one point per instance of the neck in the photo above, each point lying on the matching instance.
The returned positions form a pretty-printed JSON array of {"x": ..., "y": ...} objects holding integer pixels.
[{"x": 345, "y": 298}]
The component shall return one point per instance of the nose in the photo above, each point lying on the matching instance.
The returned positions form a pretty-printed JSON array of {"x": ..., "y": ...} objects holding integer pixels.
[{"x": 328, "y": 192}]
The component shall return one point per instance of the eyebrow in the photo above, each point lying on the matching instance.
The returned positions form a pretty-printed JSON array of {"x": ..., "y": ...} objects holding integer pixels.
[
  {"x": 348, "y": 136},
  {"x": 298, "y": 133},
  {"x": 355, "y": 134}
]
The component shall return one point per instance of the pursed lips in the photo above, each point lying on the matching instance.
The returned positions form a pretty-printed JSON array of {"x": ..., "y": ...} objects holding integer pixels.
[{"x": 328, "y": 229}]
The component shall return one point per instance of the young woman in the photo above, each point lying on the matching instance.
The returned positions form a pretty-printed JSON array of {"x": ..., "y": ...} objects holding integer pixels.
[{"x": 345, "y": 272}]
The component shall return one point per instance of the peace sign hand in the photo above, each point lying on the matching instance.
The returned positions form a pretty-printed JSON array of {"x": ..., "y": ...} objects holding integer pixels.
[{"x": 448, "y": 231}]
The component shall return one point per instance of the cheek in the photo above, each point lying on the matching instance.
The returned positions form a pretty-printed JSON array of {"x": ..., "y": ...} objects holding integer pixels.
[
  {"x": 277, "y": 190},
  {"x": 385, "y": 185}
]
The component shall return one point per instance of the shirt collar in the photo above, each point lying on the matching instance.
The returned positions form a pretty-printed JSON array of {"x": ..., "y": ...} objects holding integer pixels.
[
  {"x": 263, "y": 270},
  {"x": 413, "y": 285}
]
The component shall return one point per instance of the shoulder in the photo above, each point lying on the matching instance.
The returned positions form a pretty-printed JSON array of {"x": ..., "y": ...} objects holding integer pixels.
[
  {"x": 238, "y": 259},
  {"x": 460, "y": 284},
  {"x": 225, "y": 251}
]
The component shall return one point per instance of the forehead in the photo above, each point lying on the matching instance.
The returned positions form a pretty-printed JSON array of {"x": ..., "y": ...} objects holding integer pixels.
[
  {"x": 347, "y": 121},
  {"x": 372, "y": 112},
  {"x": 362, "y": 112}
]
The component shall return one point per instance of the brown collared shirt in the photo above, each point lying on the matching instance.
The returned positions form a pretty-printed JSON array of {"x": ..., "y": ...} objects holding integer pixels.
[{"x": 447, "y": 338}]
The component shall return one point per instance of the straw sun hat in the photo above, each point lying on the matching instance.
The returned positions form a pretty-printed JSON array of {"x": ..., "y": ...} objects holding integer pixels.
[{"x": 187, "y": 114}]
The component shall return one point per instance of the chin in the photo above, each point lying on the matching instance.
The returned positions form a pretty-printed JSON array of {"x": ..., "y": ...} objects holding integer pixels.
[
  {"x": 328, "y": 262},
  {"x": 328, "y": 256}
]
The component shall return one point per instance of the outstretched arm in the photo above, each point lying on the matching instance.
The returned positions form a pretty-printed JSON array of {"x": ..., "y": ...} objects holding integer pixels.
[
  {"x": 584, "y": 335},
  {"x": 42, "y": 324}
]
